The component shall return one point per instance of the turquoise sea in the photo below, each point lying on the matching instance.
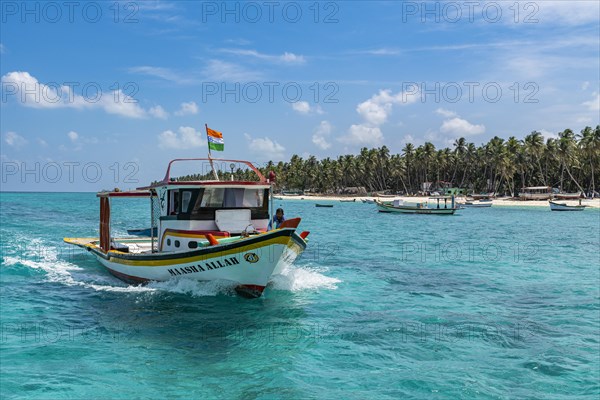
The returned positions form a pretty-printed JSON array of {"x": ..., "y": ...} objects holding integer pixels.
[{"x": 489, "y": 303}]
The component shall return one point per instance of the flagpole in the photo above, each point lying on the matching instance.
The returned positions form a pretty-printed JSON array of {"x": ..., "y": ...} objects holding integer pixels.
[{"x": 210, "y": 154}]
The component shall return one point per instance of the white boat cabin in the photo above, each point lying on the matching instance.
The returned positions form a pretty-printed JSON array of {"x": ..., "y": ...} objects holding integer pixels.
[
  {"x": 186, "y": 215},
  {"x": 190, "y": 210}
]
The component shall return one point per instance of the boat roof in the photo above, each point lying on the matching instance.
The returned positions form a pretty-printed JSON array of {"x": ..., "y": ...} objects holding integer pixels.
[
  {"x": 537, "y": 187},
  {"x": 127, "y": 193},
  {"x": 440, "y": 197}
]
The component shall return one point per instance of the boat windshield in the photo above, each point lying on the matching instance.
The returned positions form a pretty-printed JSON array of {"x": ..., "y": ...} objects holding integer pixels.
[
  {"x": 230, "y": 198},
  {"x": 202, "y": 203}
]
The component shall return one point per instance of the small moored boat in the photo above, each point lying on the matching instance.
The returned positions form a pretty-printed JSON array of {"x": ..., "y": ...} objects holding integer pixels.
[
  {"x": 143, "y": 232},
  {"x": 420, "y": 208},
  {"x": 564, "y": 207},
  {"x": 536, "y": 193},
  {"x": 477, "y": 204},
  {"x": 324, "y": 205}
]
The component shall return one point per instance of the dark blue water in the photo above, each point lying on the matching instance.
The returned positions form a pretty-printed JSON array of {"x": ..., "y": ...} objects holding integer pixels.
[{"x": 490, "y": 303}]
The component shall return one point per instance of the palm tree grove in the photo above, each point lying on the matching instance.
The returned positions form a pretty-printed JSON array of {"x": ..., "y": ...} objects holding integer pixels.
[{"x": 569, "y": 162}]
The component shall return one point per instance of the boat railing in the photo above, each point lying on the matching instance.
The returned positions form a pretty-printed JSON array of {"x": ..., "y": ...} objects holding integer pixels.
[{"x": 167, "y": 177}]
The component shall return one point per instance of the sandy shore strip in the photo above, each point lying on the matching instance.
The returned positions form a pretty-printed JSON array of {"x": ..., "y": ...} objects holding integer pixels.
[{"x": 501, "y": 202}]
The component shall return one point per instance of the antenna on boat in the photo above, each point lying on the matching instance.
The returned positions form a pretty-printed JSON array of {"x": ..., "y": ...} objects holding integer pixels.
[{"x": 210, "y": 155}]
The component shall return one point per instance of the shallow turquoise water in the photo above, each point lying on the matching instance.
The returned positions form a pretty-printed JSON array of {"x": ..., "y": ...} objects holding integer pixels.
[{"x": 489, "y": 303}]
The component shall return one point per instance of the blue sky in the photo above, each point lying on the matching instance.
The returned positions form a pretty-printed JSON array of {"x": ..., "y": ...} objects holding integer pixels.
[{"x": 97, "y": 96}]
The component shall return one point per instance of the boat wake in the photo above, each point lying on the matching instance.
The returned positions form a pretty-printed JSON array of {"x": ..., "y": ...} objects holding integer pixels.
[
  {"x": 55, "y": 268},
  {"x": 296, "y": 279}
]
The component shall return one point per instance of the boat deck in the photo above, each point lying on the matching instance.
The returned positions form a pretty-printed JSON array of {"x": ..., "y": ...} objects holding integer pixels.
[{"x": 134, "y": 245}]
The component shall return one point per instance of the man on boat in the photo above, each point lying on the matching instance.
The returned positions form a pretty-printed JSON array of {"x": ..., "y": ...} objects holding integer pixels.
[{"x": 277, "y": 220}]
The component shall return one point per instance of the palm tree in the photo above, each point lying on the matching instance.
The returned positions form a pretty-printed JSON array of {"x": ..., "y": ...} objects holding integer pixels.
[
  {"x": 566, "y": 154},
  {"x": 590, "y": 147},
  {"x": 534, "y": 144},
  {"x": 408, "y": 152}
]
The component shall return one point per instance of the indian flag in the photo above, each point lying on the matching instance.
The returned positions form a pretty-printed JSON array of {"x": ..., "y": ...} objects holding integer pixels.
[{"x": 215, "y": 140}]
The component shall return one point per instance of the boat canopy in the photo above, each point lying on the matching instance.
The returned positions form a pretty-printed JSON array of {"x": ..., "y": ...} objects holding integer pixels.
[
  {"x": 548, "y": 188},
  {"x": 129, "y": 193}
]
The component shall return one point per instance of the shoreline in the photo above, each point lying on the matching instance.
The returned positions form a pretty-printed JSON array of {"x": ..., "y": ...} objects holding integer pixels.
[{"x": 591, "y": 203}]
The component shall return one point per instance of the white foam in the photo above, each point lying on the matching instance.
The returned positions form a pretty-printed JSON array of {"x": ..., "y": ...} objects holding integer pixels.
[
  {"x": 194, "y": 287},
  {"x": 295, "y": 279},
  {"x": 291, "y": 279}
]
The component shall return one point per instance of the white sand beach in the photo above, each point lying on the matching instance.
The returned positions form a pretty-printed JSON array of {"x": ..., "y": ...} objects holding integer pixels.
[{"x": 501, "y": 202}]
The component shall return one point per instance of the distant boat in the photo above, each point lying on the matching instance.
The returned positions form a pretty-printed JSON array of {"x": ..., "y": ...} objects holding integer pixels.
[
  {"x": 536, "y": 193},
  {"x": 483, "y": 196},
  {"x": 386, "y": 195},
  {"x": 142, "y": 232},
  {"x": 348, "y": 201},
  {"x": 368, "y": 201},
  {"x": 477, "y": 204},
  {"x": 297, "y": 192},
  {"x": 564, "y": 207},
  {"x": 420, "y": 208},
  {"x": 324, "y": 205},
  {"x": 568, "y": 196}
]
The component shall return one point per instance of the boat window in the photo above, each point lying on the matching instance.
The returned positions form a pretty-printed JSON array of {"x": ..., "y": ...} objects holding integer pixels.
[
  {"x": 198, "y": 202},
  {"x": 253, "y": 198},
  {"x": 193, "y": 245},
  {"x": 186, "y": 196},
  {"x": 173, "y": 202},
  {"x": 212, "y": 198},
  {"x": 168, "y": 242},
  {"x": 177, "y": 243}
]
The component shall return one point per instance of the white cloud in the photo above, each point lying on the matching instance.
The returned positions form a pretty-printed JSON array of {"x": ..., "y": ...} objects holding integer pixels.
[
  {"x": 303, "y": 107},
  {"x": 158, "y": 112},
  {"x": 548, "y": 135},
  {"x": 162, "y": 73},
  {"x": 594, "y": 104},
  {"x": 186, "y": 138},
  {"x": 73, "y": 136},
  {"x": 292, "y": 58},
  {"x": 27, "y": 90},
  {"x": 15, "y": 140},
  {"x": 461, "y": 127},
  {"x": 408, "y": 139},
  {"x": 320, "y": 134},
  {"x": 285, "y": 58},
  {"x": 42, "y": 142},
  {"x": 2, "y": 48},
  {"x": 567, "y": 12},
  {"x": 121, "y": 104},
  {"x": 265, "y": 148},
  {"x": 446, "y": 113},
  {"x": 190, "y": 108},
  {"x": 218, "y": 70},
  {"x": 363, "y": 135},
  {"x": 377, "y": 109}
]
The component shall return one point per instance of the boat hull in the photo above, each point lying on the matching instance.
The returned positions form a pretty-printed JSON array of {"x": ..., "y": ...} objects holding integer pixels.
[
  {"x": 477, "y": 205},
  {"x": 250, "y": 262},
  {"x": 563, "y": 207}
]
